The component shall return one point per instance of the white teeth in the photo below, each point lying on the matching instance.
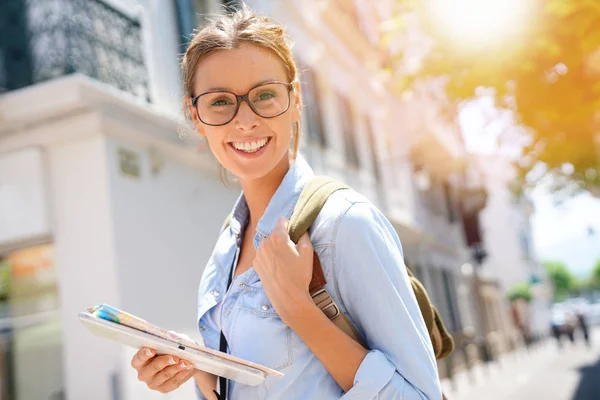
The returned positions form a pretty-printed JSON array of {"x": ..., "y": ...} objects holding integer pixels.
[{"x": 250, "y": 147}]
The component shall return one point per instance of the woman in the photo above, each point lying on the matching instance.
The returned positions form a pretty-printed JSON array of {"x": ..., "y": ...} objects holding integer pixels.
[{"x": 243, "y": 96}]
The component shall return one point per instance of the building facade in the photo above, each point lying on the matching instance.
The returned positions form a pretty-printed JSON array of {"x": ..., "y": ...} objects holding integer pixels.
[
  {"x": 511, "y": 259},
  {"x": 107, "y": 196}
]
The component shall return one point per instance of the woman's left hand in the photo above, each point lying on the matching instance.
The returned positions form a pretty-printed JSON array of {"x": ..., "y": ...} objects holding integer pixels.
[{"x": 285, "y": 269}]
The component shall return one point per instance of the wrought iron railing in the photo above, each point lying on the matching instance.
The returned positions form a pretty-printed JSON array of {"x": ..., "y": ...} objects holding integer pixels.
[{"x": 45, "y": 39}]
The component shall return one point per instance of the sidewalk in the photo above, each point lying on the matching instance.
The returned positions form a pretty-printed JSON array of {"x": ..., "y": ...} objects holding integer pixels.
[
  {"x": 483, "y": 374},
  {"x": 526, "y": 371}
]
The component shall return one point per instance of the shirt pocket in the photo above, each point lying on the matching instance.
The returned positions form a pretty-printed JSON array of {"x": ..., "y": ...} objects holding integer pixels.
[{"x": 259, "y": 334}]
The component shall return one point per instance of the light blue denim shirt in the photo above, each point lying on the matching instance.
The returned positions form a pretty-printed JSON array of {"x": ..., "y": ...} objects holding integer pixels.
[{"x": 362, "y": 261}]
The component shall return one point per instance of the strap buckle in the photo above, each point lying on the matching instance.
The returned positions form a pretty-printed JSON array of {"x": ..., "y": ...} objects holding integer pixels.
[{"x": 331, "y": 310}]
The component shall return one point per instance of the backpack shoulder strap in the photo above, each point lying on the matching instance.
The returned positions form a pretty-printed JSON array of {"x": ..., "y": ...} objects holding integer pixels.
[{"x": 309, "y": 205}]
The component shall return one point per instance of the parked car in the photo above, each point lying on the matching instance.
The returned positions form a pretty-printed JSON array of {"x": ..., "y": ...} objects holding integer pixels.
[
  {"x": 590, "y": 310},
  {"x": 594, "y": 314}
]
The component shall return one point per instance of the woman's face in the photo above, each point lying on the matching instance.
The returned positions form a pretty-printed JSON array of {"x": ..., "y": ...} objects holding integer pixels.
[{"x": 249, "y": 146}]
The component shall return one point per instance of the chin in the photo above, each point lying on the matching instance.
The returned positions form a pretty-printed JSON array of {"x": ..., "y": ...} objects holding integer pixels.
[
  {"x": 257, "y": 169},
  {"x": 252, "y": 174}
]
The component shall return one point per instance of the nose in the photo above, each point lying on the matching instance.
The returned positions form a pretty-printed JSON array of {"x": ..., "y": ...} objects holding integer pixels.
[{"x": 245, "y": 118}]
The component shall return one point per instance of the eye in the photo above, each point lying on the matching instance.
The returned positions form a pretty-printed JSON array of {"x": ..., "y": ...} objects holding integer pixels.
[
  {"x": 220, "y": 103},
  {"x": 266, "y": 95}
]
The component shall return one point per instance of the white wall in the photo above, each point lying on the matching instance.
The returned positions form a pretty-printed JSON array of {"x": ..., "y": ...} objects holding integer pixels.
[
  {"x": 165, "y": 227},
  {"x": 23, "y": 196},
  {"x": 501, "y": 223},
  {"x": 85, "y": 261}
]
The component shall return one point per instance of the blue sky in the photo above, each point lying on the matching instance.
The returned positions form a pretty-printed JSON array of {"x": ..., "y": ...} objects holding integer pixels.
[{"x": 560, "y": 232}]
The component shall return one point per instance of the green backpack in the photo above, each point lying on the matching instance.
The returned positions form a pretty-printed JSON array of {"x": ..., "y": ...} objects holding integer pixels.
[{"x": 311, "y": 201}]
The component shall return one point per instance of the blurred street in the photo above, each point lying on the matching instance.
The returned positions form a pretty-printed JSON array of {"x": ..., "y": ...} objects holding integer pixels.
[{"x": 545, "y": 372}]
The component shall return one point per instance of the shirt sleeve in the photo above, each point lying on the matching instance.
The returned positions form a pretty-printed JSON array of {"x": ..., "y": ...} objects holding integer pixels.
[{"x": 373, "y": 285}]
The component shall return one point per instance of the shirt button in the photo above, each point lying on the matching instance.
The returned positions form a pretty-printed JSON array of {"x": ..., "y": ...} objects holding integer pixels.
[
  {"x": 227, "y": 313},
  {"x": 202, "y": 328},
  {"x": 265, "y": 307},
  {"x": 216, "y": 293},
  {"x": 242, "y": 285}
]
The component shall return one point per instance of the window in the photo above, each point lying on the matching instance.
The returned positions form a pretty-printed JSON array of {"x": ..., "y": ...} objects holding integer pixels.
[
  {"x": 2, "y": 73},
  {"x": 29, "y": 292},
  {"x": 436, "y": 292},
  {"x": 525, "y": 247},
  {"x": 432, "y": 190},
  {"x": 190, "y": 15},
  {"x": 450, "y": 294},
  {"x": 348, "y": 132},
  {"x": 313, "y": 119},
  {"x": 391, "y": 160},
  {"x": 349, "y": 8},
  {"x": 449, "y": 201},
  {"x": 373, "y": 148},
  {"x": 417, "y": 271}
]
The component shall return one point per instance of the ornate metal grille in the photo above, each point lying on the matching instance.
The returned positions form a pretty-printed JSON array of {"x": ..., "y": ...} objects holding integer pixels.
[{"x": 45, "y": 39}]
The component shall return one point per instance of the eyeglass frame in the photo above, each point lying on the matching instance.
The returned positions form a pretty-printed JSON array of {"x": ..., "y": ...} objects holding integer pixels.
[{"x": 244, "y": 97}]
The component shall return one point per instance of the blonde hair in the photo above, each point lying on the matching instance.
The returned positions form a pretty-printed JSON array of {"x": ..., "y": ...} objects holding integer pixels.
[{"x": 226, "y": 32}]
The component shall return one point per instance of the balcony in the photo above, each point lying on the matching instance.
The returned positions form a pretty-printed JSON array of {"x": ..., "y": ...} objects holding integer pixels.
[
  {"x": 341, "y": 17},
  {"x": 433, "y": 133},
  {"x": 45, "y": 39}
]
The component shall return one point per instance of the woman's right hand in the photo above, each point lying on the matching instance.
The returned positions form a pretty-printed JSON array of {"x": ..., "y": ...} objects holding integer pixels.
[{"x": 163, "y": 373}]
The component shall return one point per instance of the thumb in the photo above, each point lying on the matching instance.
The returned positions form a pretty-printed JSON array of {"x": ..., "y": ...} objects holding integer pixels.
[{"x": 304, "y": 245}]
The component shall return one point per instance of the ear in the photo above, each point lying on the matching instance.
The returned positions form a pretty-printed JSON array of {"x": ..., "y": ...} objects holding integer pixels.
[
  {"x": 296, "y": 102},
  {"x": 194, "y": 114}
]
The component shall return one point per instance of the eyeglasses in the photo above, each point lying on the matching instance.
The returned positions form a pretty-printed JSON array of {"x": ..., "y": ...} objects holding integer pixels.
[{"x": 267, "y": 100}]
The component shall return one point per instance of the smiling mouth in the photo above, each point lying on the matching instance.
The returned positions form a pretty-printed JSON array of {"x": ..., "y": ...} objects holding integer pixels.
[{"x": 250, "y": 147}]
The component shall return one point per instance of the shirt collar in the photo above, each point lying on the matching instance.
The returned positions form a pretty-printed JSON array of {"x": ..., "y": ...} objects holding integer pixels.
[{"x": 281, "y": 205}]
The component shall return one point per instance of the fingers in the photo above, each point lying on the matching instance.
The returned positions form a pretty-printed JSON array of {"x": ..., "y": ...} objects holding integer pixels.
[
  {"x": 304, "y": 245},
  {"x": 147, "y": 372},
  {"x": 177, "y": 380},
  {"x": 279, "y": 235},
  {"x": 162, "y": 373},
  {"x": 142, "y": 357},
  {"x": 281, "y": 225},
  {"x": 170, "y": 377}
]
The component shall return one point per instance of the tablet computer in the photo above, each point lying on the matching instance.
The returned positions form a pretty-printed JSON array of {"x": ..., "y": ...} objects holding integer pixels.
[{"x": 203, "y": 358}]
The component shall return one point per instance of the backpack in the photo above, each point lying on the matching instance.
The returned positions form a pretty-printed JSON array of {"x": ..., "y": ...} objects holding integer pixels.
[{"x": 311, "y": 201}]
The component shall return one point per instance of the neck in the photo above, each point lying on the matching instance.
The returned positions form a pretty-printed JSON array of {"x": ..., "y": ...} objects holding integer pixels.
[{"x": 258, "y": 192}]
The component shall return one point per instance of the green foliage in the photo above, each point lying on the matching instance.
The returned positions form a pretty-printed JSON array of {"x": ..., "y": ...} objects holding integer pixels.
[
  {"x": 596, "y": 275},
  {"x": 520, "y": 291},
  {"x": 581, "y": 286},
  {"x": 5, "y": 277},
  {"x": 561, "y": 277},
  {"x": 548, "y": 73}
]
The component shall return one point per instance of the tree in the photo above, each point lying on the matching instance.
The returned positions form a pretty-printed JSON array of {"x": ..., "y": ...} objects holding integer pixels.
[
  {"x": 596, "y": 274},
  {"x": 546, "y": 71},
  {"x": 561, "y": 277},
  {"x": 581, "y": 286},
  {"x": 520, "y": 291}
]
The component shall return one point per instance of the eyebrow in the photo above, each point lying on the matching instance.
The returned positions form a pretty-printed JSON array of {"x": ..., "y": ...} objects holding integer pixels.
[{"x": 225, "y": 89}]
